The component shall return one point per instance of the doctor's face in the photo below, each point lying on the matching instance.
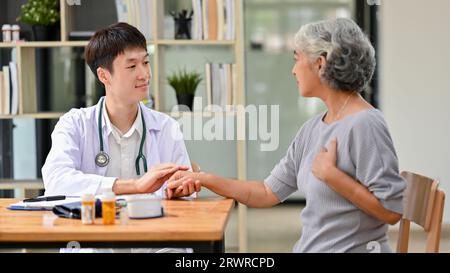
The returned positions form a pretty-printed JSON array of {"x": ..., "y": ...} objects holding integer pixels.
[
  {"x": 306, "y": 75},
  {"x": 130, "y": 80}
]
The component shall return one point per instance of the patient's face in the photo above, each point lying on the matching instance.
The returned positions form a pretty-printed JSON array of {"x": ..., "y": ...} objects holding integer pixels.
[
  {"x": 131, "y": 76},
  {"x": 306, "y": 75}
]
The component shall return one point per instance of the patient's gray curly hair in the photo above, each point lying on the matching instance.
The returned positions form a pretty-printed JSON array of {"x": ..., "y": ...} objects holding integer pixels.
[{"x": 350, "y": 55}]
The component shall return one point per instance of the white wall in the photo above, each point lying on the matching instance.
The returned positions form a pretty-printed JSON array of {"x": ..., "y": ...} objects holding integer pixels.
[{"x": 415, "y": 85}]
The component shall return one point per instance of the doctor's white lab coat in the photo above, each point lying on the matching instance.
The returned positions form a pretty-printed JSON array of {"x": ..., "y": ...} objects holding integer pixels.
[{"x": 70, "y": 167}]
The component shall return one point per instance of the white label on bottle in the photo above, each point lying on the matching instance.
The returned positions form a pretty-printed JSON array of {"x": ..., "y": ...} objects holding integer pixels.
[{"x": 87, "y": 214}]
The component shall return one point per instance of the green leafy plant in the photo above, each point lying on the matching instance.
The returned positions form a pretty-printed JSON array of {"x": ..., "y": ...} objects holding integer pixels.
[
  {"x": 40, "y": 12},
  {"x": 184, "y": 82}
]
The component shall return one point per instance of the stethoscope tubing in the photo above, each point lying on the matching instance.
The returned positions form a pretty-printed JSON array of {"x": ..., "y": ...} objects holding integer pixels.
[{"x": 102, "y": 158}]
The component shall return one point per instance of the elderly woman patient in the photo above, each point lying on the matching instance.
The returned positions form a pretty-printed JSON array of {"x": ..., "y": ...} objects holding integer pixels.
[{"x": 343, "y": 159}]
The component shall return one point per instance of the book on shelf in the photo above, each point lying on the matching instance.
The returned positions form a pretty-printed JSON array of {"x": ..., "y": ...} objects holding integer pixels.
[
  {"x": 122, "y": 11},
  {"x": 2, "y": 95},
  {"x": 145, "y": 22},
  {"x": 208, "y": 83},
  {"x": 197, "y": 21},
  {"x": 213, "y": 20},
  {"x": 6, "y": 90},
  {"x": 220, "y": 19},
  {"x": 205, "y": 19},
  {"x": 234, "y": 84},
  {"x": 9, "y": 90},
  {"x": 136, "y": 13},
  {"x": 6, "y": 152},
  {"x": 215, "y": 83},
  {"x": 229, "y": 20},
  {"x": 220, "y": 84},
  {"x": 14, "y": 87}
]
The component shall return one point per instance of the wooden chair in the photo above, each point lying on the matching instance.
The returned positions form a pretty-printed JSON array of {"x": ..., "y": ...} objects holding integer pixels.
[{"x": 423, "y": 204}]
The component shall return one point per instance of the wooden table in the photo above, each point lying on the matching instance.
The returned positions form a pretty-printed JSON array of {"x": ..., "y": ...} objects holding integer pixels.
[{"x": 197, "y": 224}]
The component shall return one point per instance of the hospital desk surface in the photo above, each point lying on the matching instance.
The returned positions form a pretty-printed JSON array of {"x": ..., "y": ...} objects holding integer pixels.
[{"x": 198, "y": 224}]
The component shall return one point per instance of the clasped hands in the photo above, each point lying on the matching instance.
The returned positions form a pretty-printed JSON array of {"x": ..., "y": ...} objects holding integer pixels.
[{"x": 181, "y": 181}]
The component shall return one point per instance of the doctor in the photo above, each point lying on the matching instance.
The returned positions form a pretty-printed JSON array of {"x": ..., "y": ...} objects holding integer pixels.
[{"x": 119, "y": 144}]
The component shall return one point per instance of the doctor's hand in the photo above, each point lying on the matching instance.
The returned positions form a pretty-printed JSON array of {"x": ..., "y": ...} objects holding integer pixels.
[
  {"x": 183, "y": 183},
  {"x": 156, "y": 176},
  {"x": 325, "y": 161},
  {"x": 149, "y": 182}
]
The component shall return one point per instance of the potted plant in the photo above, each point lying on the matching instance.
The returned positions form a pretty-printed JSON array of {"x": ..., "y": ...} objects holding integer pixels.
[
  {"x": 185, "y": 85},
  {"x": 42, "y": 15}
]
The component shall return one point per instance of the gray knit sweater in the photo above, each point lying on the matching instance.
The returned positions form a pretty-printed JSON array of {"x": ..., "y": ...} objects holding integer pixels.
[{"x": 365, "y": 152}]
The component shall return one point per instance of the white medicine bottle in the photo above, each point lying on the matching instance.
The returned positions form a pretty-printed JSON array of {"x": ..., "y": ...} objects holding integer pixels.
[
  {"x": 88, "y": 209},
  {"x": 6, "y": 33}
]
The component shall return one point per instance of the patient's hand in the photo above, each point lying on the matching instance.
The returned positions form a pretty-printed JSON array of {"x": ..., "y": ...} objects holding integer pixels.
[
  {"x": 182, "y": 183},
  {"x": 325, "y": 161}
]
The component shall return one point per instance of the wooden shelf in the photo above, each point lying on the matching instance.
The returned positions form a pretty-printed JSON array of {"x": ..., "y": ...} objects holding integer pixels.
[
  {"x": 84, "y": 43},
  {"x": 7, "y": 45},
  {"x": 11, "y": 184},
  {"x": 43, "y": 115},
  {"x": 45, "y": 44},
  {"x": 195, "y": 42},
  {"x": 55, "y": 44}
]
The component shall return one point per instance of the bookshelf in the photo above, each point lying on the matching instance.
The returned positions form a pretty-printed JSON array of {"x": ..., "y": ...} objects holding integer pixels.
[{"x": 26, "y": 66}]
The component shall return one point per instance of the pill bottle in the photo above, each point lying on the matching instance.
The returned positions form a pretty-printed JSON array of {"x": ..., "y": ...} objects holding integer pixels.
[
  {"x": 124, "y": 216},
  {"x": 109, "y": 208},
  {"x": 15, "y": 30},
  {"x": 6, "y": 33},
  {"x": 87, "y": 209}
]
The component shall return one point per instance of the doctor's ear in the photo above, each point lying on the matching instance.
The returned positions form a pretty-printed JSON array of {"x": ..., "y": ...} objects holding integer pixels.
[{"x": 102, "y": 75}]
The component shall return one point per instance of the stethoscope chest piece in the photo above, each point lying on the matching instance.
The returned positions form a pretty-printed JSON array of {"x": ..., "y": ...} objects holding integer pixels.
[{"x": 102, "y": 159}]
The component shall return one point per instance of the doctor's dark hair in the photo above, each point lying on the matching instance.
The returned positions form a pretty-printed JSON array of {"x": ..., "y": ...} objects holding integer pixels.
[
  {"x": 109, "y": 42},
  {"x": 350, "y": 57}
]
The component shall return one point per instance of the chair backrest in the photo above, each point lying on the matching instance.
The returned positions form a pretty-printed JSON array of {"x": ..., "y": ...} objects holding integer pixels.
[
  {"x": 423, "y": 204},
  {"x": 195, "y": 167}
]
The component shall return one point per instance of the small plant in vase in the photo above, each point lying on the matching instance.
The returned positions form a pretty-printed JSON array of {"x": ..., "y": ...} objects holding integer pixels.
[
  {"x": 185, "y": 84},
  {"x": 42, "y": 15}
]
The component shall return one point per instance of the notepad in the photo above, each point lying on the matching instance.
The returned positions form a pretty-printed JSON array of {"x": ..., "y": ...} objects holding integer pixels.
[
  {"x": 48, "y": 205},
  {"x": 43, "y": 205}
]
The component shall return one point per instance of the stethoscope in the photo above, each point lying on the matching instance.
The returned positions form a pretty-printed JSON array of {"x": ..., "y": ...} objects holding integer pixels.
[{"x": 102, "y": 158}]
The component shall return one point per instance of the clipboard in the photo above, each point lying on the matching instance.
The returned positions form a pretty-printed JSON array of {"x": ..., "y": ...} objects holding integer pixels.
[{"x": 43, "y": 205}]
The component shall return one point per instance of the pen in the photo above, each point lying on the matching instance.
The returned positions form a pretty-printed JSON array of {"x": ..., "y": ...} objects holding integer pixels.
[{"x": 46, "y": 198}]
